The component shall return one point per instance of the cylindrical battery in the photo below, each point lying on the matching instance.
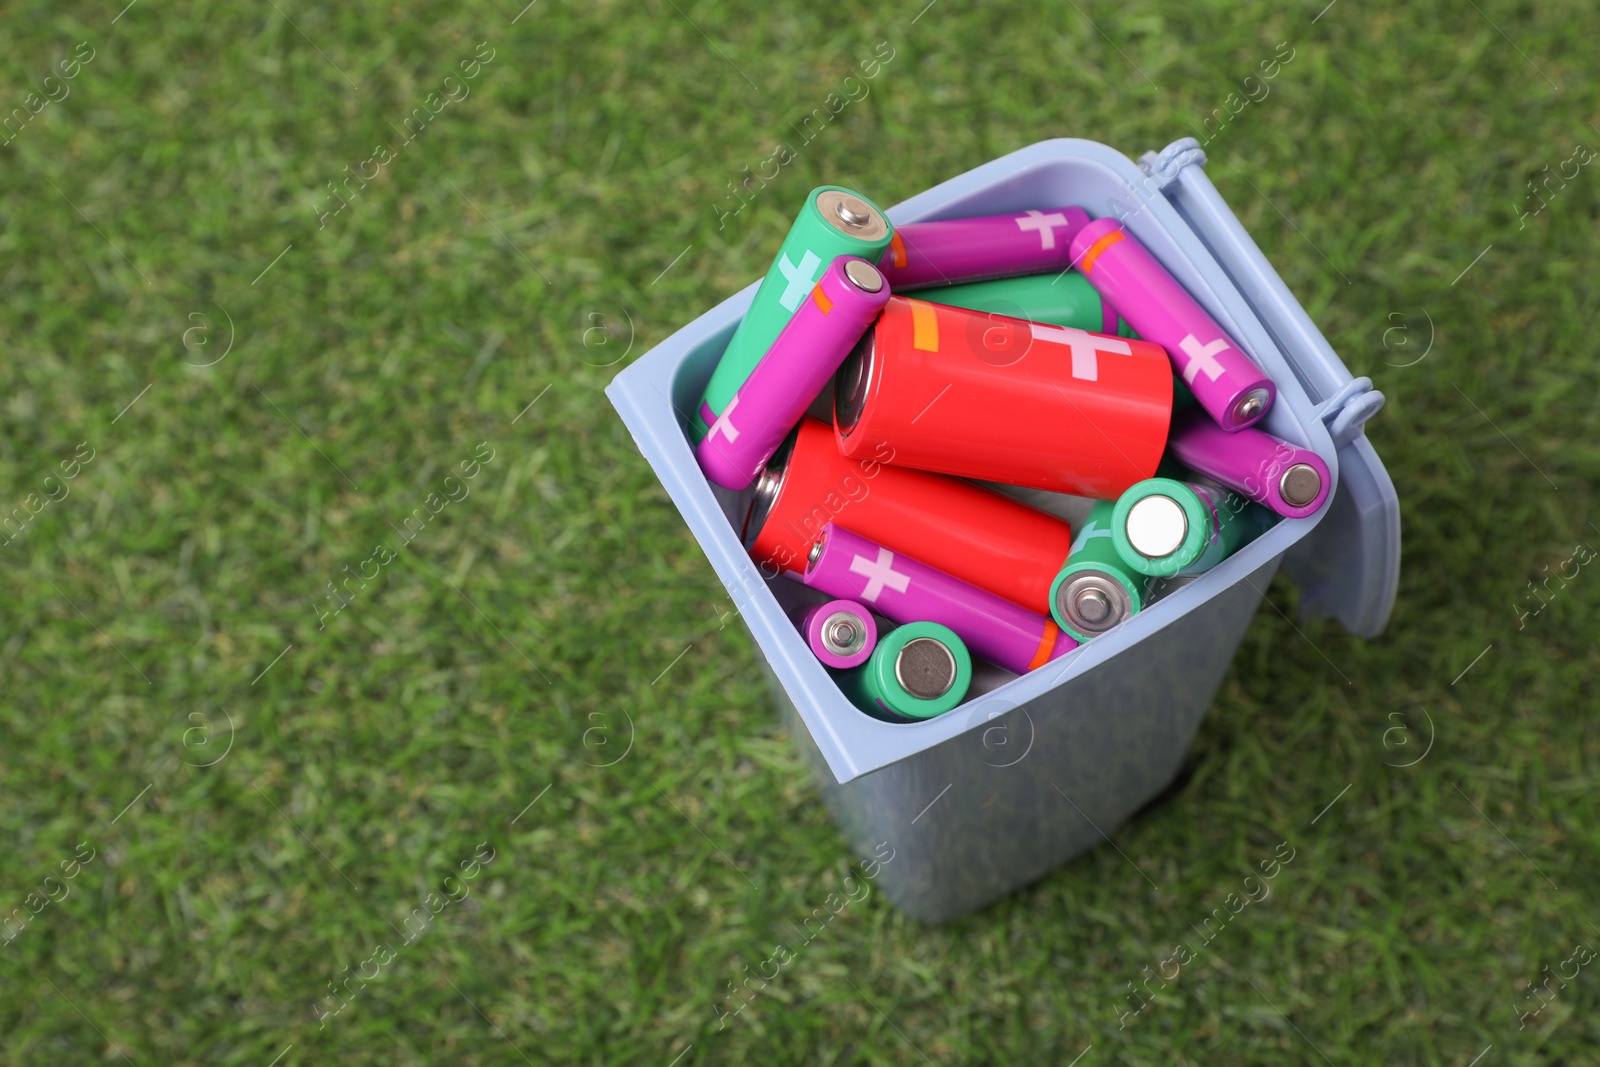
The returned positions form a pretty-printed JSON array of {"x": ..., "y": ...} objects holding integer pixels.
[
  {"x": 833, "y": 222},
  {"x": 918, "y": 670},
  {"x": 826, "y": 326},
  {"x": 1292, "y": 481},
  {"x": 1095, "y": 590},
  {"x": 976, "y": 534},
  {"x": 1163, "y": 527},
  {"x": 996, "y": 398},
  {"x": 842, "y": 563},
  {"x": 1227, "y": 382},
  {"x": 1238, "y": 523},
  {"x": 993, "y": 246},
  {"x": 1061, "y": 299},
  {"x": 842, "y": 633}
]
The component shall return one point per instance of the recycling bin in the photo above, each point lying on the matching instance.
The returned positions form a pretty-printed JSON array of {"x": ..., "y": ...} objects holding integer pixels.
[{"x": 1036, "y": 769}]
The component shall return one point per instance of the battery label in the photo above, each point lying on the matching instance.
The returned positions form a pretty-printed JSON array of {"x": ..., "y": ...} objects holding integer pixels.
[
  {"x": 879, "y": 573},
  {"x": 1086, "y": 347},
  {"x": 1094, "y": 250},
  {"x": 798, "y": 278},
  {"x": 1203, "y": 358},
  {"x": 723, "y": 423},
  {"x": 1044, "y": 225},
  {"x": 924, "y": 327},
  {"x": 1089, "y": 531}
]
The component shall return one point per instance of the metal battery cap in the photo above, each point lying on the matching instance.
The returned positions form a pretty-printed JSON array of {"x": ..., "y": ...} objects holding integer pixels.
[
  {"x": 1092, "y": 602},
  {"x": 768, "y": 484},
  {"x": 1157, "y": 526},
  {"x": 1300, "y": 485},
  {"x": 863, "y": 275},
  {"x": 816, "y": 551},
  {"x": 925, "y": 668},
  {"x": 1250, "y": 406},
  {"x": 1093, "y": 605},
  {"x": 849, "y": 213},
  {"x": 853, "y": 382},
  {"x": 843, "y": 634}
]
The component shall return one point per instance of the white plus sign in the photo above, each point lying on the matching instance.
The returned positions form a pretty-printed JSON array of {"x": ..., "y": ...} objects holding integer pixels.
[
  {"x": 879, "y": 574},
  {"x": 724, "y": 425},
  {"x": 1045, "y": 224},
  {"x": 1086, "y": 347},
  {"x": 1202, "y": 358},
  {"x": 1088, "y": 533},
  {"x": 800, "y": 279}
]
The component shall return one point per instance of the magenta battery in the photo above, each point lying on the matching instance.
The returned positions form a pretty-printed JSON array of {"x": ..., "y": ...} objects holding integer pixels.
[
  {"x": 842, "y": 633},
  {"x": 921, "y": 254},
  {"x": 1227, "y": 382},
  {"x": 1292, "y": 481},
  {"x": 845, "y": 564},
  {"x": 825, "y": 327}
]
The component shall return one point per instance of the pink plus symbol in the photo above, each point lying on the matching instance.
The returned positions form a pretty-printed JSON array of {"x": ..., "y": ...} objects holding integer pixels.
[
  {"x": 1044, "y": 224},
  {"x": 1203, "y": 358},
  {"x": 879, "y": 574},
  {"x": 724, "y": 425},
  {"x": 1086, "y": 347}
]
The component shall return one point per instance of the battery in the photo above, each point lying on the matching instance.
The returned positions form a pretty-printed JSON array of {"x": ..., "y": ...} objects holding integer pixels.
[
  {"x": 921, "y": 254},
  {"x": 842, "y": 563},
  {"x": 1163, "y": 527},
  {"x": 973, "y": 533},
  {"x": 1227, "y": 382},
  {"x": 918, "y": 671},
  {"x": 1238, "y": 520},
  {"x": 1096, "y": 590},
  {"x": 1004, "y": 400},
  {"x": 833, "y": 222},
  {"x": 842, "y": 633},
  {"x": 1062, "y": 299},
  {"x": 1292, "y": 481},
  {"x": 826, "y": 326}
]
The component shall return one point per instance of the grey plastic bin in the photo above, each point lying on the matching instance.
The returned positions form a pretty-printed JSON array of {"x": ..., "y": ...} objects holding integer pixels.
[{"x": 1010, "y": 785}]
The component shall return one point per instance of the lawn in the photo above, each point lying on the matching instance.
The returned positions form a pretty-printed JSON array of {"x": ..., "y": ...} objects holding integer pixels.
[{"x": 288, "y": 779}]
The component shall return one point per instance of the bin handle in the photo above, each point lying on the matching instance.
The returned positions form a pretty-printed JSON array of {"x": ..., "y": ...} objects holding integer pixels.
[{"x": 1178, "y": 171}]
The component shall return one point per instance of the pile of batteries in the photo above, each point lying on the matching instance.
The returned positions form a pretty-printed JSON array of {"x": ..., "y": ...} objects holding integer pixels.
[{"x": 1043, "y": 350}]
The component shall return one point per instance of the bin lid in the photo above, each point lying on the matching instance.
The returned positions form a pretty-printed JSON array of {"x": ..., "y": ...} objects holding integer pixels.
[{"x": 1348, "y": 566}]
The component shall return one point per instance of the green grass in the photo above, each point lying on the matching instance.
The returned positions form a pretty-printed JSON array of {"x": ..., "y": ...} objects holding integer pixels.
[{"x": 176, "y": 586}]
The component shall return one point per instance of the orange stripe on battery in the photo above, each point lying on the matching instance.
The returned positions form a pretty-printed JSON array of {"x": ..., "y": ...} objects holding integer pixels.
[
  {"x": 1047, "y": 645},
  {"x": 924, "y": 326},
  {"x": 824, "y": 305},
  {"x": 1099, "y": 246},
  {"x": 897, "y": 249}
]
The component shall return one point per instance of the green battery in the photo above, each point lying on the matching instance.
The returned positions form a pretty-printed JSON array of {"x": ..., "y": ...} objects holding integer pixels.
[
  {"x": 1239, "y": 522},
  {"x": 834, "y": 222},
  {"x": 1163, "y": 527},
  {"x": 1096, "y": 590},
  {"x": 1065, "y": 299},
  {"x": 918, "y": 671}
]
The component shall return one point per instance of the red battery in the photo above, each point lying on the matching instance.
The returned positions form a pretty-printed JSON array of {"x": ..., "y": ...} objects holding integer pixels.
[
  {"x": 986, "y": 396},
  {"x": 973, "y": 533}
]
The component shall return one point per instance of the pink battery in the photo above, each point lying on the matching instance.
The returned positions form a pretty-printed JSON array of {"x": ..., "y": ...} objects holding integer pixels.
[
  {"x": 825, "y": 327},
  {"x": 1290, "y": 480},
  {"x": 845, "y": 564},
  {"x": 842, "y": 633},
  {"x": 921, "y": 254},
  {"x": 1227, "y": 382}
]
